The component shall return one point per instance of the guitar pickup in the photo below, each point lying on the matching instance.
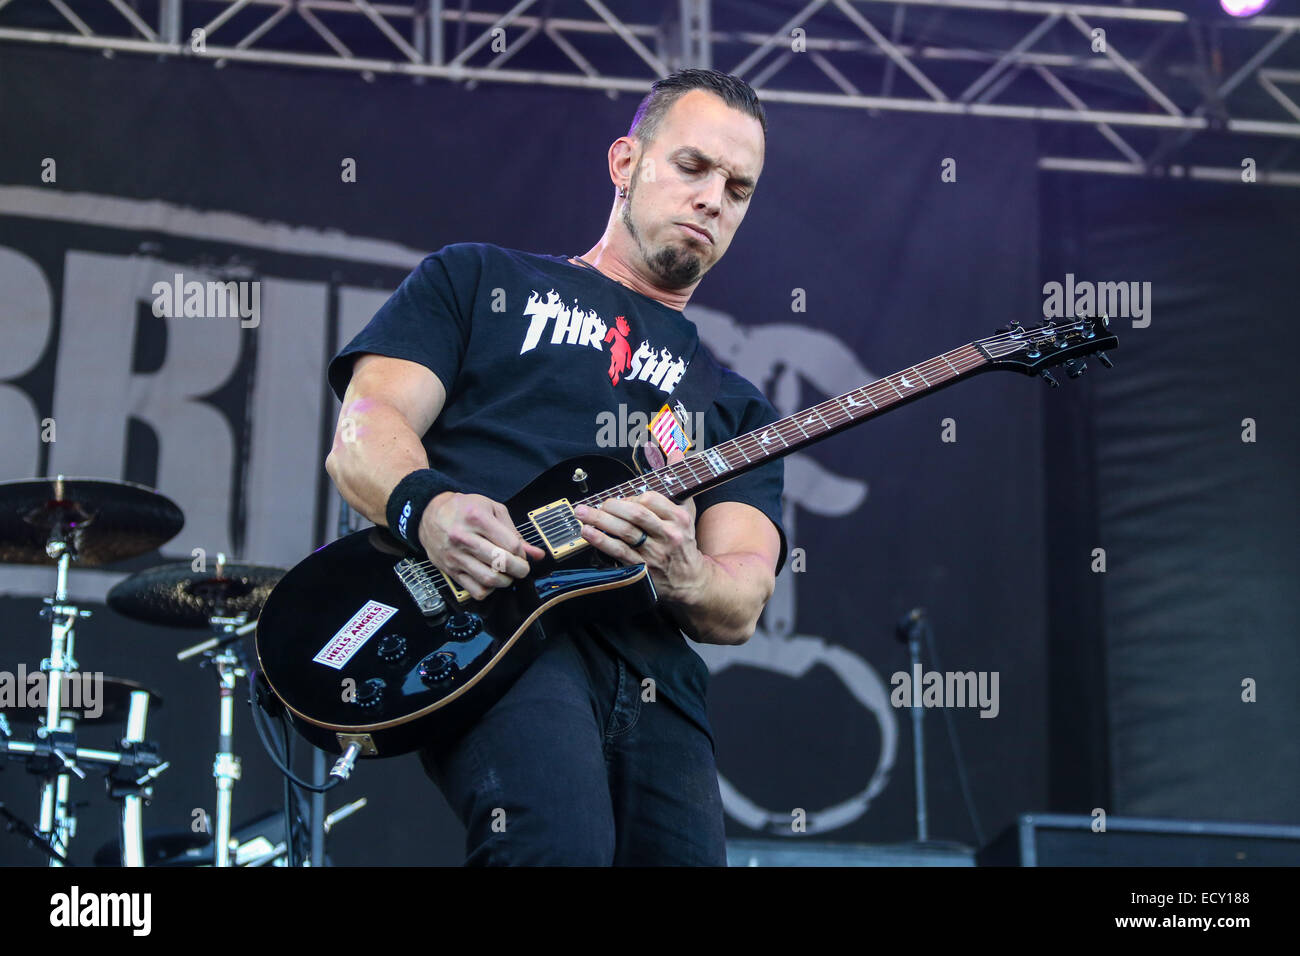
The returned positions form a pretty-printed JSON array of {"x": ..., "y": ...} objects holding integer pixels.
[
  {"x": 458, "y": 592},
  {"x": 560, "y": 529}
]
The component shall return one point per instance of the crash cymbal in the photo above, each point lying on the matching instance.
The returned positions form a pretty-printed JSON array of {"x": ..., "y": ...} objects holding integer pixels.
[
  {"x": 112, "y": 700},
  {"x": 99, "y": 521},
  {"x": 175, "y": 595}
]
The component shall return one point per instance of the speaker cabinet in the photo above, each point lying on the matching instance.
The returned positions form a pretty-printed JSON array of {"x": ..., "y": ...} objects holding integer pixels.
[{"x": 1045, "y": 839}]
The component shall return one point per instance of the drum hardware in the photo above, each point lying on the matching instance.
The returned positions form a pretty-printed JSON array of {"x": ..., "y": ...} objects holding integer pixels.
[
  {"x": 255, "y": 842},
  {"x": 228, "y": 661},
  {"x": 161, "y": 848},
  {"x": 91, "y": 522},
  {"x": 221, "y": 599},
  {"x": 60, "y": 750},
  {"x": 57, "y": 820},
  {"x": 272, "y": 854},
  {"x": 134, "y": 791},
  {"x": 132, "y": 769},
  {"x": 114, "y": 705},
  {"x": 71, "y": 522},
  {"x": 35, "y": 839}
]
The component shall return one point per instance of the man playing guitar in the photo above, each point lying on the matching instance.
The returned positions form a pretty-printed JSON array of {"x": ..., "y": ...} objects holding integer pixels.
[{"x": 490, "y": 364}]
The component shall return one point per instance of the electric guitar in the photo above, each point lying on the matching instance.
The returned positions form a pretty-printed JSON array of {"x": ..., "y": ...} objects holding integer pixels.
[{"x": 372, "y": 648}]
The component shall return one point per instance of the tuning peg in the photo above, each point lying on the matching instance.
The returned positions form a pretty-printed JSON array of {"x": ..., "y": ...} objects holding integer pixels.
[
  {"x": 1105, "y": 360},
  {"x": 1047, "y": 377},
  {"x": 1075, "y": 367}
]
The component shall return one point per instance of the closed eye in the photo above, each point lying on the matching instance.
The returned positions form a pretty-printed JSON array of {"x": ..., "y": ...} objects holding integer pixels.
[{"x": 739, "y": 195}]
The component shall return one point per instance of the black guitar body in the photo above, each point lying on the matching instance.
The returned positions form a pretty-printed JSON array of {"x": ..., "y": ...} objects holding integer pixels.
[{"x": 346, "y": 645}]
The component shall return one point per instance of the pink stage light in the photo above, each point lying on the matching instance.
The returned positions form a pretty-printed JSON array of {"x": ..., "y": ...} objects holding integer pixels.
[{"x": 1243, "y": 8}]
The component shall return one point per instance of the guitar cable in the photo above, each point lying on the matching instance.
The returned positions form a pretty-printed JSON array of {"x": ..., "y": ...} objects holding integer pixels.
[
  {"x": 261, "y": 698},
  {"x": 262, "y": 703},
  {"x": 296, "y": 814}
]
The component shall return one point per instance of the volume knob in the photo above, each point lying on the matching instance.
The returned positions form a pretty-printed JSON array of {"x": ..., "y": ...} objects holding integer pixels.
[
  {"x": 436, "y": 667},
  {"x": 462, "y": 626},
  {"x": 370, "y": 693},
  {"x": 392, "y": 648}
]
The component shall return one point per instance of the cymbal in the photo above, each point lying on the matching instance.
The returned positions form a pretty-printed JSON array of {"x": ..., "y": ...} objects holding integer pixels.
[
  {"x": 114, "y": 704},
  {"x": 175, "y": 595},
  {"x": 98, "y": 520}
]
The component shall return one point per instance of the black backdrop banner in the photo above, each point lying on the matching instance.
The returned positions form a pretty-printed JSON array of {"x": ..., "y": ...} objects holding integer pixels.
[
  {"x": 858, "y": 258},
  {"x": 1197, "y": 452}
]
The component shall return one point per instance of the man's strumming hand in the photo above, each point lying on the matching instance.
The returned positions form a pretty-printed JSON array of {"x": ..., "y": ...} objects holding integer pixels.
[{"x": 473, "y": 539}]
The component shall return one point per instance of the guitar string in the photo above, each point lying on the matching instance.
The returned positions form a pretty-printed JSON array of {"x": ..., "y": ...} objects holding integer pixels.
[
  {"x": 831, "y": 404},
  {"x": 533, "y": 532},
  {"x": 828, "y": 405},
  {"x": 551, "y": 526}
]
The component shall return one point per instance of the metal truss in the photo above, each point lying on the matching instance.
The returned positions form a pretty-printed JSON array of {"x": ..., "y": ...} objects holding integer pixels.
[{"x": 1117, "y": 89}]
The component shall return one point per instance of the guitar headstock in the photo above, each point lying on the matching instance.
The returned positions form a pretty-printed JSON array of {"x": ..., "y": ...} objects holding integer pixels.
[{"x": 1036, "y": 349}]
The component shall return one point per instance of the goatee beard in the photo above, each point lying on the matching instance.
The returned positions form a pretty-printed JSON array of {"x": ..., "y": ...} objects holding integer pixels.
[{"x": 675, "y": 268}]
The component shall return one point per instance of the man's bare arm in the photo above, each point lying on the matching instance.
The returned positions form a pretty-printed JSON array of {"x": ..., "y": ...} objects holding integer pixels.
[
  {"x": 713, "y": 577},
  {"x": 388, "y": 405},
  {"x": 740, "y": 547}
]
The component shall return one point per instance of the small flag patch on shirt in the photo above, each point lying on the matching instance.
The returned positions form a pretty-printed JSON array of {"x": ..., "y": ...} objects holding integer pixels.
[{"x": 668, "y": 432}]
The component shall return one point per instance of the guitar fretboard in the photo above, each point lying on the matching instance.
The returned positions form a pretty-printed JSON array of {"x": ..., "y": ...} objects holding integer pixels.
[{"x": 710, "y": 467}]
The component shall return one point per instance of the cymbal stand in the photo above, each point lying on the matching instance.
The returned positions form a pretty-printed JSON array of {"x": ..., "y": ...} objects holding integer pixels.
[
  {"x": 57, "y": 823},
  {"x": 133, "y": 790},
  {"x": 224, "y": 652}
]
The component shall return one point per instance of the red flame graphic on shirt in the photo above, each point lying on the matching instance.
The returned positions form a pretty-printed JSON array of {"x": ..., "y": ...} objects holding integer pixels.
[{"x": 620, "y": 356}]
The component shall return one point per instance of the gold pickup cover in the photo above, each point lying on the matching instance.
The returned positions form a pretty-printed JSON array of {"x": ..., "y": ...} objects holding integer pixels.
[
  {"x": 459, "y": 593},
  {"x": 560, "y": 529}
]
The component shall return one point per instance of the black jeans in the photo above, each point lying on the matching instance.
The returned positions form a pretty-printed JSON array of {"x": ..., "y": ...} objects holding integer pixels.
[{"x": 572, "y": 767}]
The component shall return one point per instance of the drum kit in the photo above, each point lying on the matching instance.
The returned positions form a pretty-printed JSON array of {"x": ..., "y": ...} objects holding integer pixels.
[{"x": 86, "y": 522}]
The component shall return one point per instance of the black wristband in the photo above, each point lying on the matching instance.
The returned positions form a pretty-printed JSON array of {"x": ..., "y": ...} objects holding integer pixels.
[{"x": 409, "y": 499}]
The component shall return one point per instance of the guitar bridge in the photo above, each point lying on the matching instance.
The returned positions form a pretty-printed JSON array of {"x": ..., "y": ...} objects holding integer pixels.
[{"x": 422, "y": 587}]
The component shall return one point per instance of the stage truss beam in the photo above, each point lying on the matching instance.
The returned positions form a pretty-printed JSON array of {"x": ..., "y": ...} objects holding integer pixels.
[{"x": 1164, "y": 76}]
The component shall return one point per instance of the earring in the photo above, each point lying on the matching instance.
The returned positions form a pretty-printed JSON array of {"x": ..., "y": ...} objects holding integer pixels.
[{"x": 622, "y": 192}]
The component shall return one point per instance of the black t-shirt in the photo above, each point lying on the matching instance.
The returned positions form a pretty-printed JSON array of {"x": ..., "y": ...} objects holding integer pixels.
[{"x": 537, "y": 355}]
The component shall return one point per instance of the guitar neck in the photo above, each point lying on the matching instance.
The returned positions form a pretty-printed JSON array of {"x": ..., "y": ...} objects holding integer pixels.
[{"x": 713, "y": 466}]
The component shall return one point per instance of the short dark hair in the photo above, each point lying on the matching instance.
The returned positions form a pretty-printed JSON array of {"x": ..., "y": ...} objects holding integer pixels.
[{"x": 734, "y": 91}]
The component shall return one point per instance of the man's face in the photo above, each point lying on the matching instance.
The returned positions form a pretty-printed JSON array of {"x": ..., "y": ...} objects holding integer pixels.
[{"x": 692, "y": 187}]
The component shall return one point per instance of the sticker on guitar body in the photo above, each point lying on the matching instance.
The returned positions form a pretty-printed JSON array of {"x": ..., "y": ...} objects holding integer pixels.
[{"x": 352, "y": 635}]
